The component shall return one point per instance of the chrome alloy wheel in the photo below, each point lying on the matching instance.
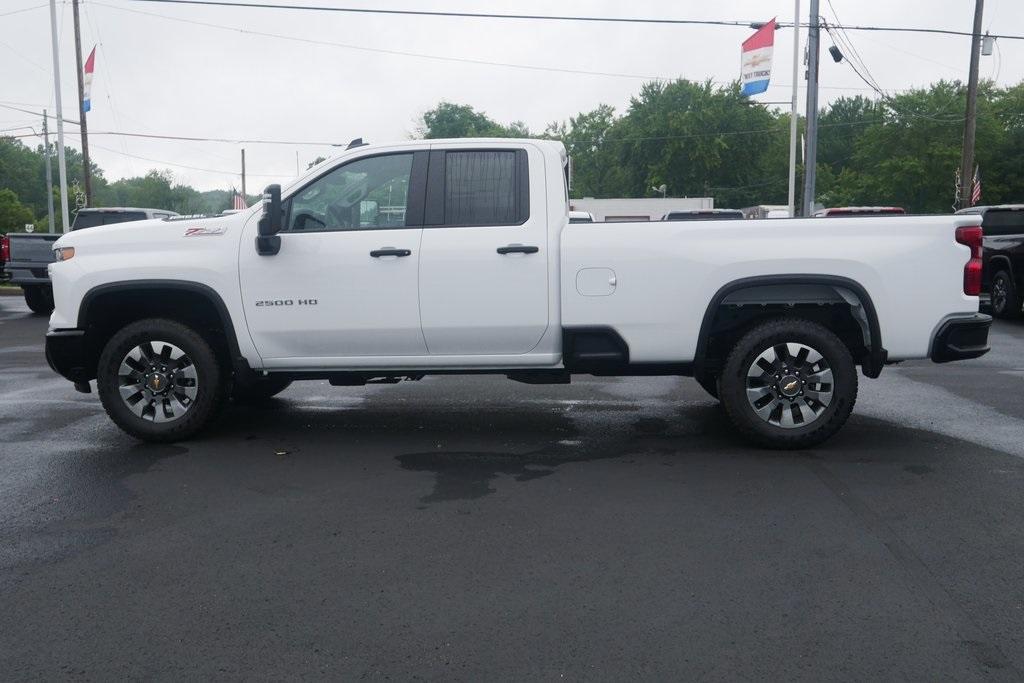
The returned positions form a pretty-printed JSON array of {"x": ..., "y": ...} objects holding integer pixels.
[
  {"x": 999, "y": 294},
  {"x": 158, "y": 381},
  {"x": 789, "y": 385}
]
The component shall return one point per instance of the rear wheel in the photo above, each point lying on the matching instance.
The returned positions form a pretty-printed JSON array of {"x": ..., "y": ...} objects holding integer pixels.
[
  {"x": 160, "y": 380},
  {"x": 1005, "y": 297},
  {"x": 789, "y": 383},
  {"x": 39, "y": 299}
]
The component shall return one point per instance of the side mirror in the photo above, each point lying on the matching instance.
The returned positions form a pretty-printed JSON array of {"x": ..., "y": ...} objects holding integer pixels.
[{"x": 268, "y": 242}]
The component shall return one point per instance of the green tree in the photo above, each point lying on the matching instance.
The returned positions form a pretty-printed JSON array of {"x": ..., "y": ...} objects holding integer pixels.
[
  {"x": 13, "y": 214},
  {"x": 595, "y": 172},
  {"x": 448, "y": 120}
]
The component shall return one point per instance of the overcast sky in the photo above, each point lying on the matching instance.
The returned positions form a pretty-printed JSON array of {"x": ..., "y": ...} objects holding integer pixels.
[{"x": 160, "y": 71}]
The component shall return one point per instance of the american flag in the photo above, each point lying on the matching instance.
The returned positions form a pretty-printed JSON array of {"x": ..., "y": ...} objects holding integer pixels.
[
  {"x": 238, "y": 202},
  {"x": 976, "y": 187}
]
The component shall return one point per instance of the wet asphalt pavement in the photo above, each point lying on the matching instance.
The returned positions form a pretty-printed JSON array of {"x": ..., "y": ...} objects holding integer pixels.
[{"x": 475, "y": 528}]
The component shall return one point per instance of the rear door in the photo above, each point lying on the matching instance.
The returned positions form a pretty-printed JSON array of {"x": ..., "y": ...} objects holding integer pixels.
[{"x": 483, "y": 262}]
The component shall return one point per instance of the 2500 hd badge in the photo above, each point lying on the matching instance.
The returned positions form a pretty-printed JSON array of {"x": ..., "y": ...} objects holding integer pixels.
[{"x": 287, "y": 302}]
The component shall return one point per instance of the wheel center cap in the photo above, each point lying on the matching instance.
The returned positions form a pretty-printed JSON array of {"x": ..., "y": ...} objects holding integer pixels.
[
  {"x": 157, "y": 382},
  {"x": 789, "y": 385}
]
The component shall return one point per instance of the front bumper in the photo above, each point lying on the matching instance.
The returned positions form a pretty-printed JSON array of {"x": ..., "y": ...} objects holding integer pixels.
[
  {"x": 67, "y": 354},
  {"x": 961, "y": 338}
]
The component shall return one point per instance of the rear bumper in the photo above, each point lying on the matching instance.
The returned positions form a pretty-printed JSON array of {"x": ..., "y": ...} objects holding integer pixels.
[
  {"x": 961, "y": 338},
  {"x": 27, "y": 273},
  {"x": 66, "y": 354}
]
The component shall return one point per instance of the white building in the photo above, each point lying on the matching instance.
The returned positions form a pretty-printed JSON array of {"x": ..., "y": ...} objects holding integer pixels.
[{"x": 647, "y": 209}]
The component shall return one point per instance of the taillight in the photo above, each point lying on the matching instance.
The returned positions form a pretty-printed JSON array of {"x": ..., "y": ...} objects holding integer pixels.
[
  {"x": 5, "y": 249},
  {"x": 970, "y": 235}
]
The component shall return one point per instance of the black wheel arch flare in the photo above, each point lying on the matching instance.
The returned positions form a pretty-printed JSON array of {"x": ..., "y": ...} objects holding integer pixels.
[{"x": 871, "y": 364}]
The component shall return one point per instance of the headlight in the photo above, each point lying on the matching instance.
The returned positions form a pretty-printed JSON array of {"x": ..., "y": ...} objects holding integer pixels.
[{"x": 64, "y": 253}]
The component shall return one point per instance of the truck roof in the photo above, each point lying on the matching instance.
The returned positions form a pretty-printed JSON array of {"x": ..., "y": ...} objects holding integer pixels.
[{"x": 120, "y": 209}]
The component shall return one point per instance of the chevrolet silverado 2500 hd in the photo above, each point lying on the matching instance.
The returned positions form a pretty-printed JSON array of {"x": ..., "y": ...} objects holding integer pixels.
[{"x": 427, "y": 257}]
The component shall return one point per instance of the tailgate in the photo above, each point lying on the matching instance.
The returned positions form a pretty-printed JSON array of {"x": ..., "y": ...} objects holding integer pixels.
[{"x": 32, "y": 248}]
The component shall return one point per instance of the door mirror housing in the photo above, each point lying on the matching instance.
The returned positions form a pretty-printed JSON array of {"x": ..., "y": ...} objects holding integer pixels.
[{"x": 268, "y": 242}]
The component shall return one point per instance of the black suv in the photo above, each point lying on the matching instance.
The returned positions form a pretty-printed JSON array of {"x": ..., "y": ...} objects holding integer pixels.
[{"x": 1003, "y": 256}]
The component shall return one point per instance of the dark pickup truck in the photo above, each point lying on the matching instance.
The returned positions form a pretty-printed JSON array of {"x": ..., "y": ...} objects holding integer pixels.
[
  {"x": 1002, "y": 256},
  {"x": 28, "y": 254}
]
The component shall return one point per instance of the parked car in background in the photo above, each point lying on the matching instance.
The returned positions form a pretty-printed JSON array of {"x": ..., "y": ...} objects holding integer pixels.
[
  {"x": 481, "y": 272},
  {"x": 766, "y": 211},
  {"x": 704, "y": 215},
  {"x": 841, "y": 211},
  {"x": 1003, "y": 256},
  {"x": 581, "y": 217},
  {"x": 29, "y": 254}
]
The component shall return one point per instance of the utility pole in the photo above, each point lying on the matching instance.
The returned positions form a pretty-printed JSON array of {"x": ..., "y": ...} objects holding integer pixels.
[
  {"x": 971, "y": 120},
  {"x": 243, "y": 176},
  {"x": 792, "y": 111},
  {"x": 81, "y": 108},
  {"x": 61, "y": 165},
  {"x": 811, "y": 151},
  {"x": 49, "y": 174}
]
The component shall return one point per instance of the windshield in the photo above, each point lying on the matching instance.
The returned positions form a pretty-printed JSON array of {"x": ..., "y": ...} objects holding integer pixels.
[{"x": 90, "y": 219}]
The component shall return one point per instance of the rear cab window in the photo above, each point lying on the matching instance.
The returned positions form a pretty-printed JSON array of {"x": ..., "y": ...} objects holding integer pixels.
[
  {"x": 92, "y": 219},
  {"x": 1002, "y": 222}
]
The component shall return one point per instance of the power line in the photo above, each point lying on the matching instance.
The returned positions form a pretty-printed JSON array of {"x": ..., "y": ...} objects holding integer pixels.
[
  {"x": 191, "y": 168},
  {"x": 389, "y": 51},
  {"x": 419, "y": 55},
  {"x": 546, "y": 17},
  {"x": 24, "y": 9}
]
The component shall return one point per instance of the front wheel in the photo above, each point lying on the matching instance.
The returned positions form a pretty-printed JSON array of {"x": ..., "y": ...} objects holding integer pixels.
[
  {"x": 160, "y": 380},
  {"x": 39, "y": 299},
  {"x": 789, "y": 383},
  {"x": 1005, "y": 297}
]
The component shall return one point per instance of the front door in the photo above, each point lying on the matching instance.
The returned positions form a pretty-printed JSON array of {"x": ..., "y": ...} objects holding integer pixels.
[
  {"x": 345, "y": 282},
  {"x": 484, "y": 255}
]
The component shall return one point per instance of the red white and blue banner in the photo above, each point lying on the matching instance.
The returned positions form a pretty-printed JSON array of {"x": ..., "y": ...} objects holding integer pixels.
[
  {"x": 756, "y": 60},
  {"x": 87, "y": 80}
]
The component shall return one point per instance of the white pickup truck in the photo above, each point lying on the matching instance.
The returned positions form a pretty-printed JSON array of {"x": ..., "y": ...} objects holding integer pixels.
[{"x": 392, "y": 262}]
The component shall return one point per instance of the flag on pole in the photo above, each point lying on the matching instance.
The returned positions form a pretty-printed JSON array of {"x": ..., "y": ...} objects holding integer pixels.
[
  {"x": 756, "y": 60},
  {"x": 238, "y": 201},
  {"x": 87, "y": 80},
  {"x": 976, "y": 187}
]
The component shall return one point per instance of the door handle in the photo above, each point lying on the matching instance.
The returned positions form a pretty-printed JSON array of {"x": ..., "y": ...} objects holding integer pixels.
[
  {"x": 390, "y": 251},
  {"x": 518, "y": 249}
]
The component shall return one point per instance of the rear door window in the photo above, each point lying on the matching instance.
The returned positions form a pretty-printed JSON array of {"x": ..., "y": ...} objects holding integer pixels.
[{"x": 484, "y": 188}]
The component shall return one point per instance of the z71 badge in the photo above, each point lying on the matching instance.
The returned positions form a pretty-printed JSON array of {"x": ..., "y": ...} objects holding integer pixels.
[{"x": 200, "y": 232}]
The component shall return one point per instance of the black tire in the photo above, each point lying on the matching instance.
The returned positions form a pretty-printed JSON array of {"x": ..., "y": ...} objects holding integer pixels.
[
  {"x": 1005, "y": 299},
  {"x": 257, "y": 390},
  {"x": 39, "y": 299},
  {"x": 733, "y": 384},
  {"x": 211, "y": 389},
  {"x": 708, "y": 383}
]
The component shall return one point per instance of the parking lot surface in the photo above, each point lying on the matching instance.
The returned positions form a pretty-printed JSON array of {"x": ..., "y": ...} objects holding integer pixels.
[{"x": 475, "y": 528}]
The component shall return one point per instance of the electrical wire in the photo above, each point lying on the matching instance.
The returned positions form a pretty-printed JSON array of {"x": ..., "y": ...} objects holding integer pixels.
[
  {"x": 545, "y": 17},
  {"x": 24, "y": 9},
  {"x": 389, "y": 51}
]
